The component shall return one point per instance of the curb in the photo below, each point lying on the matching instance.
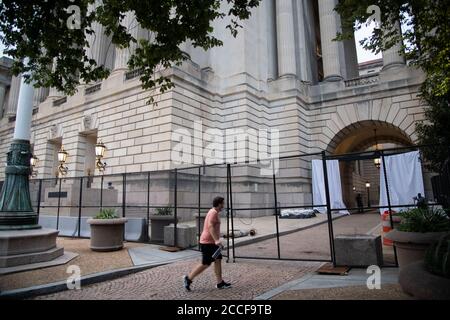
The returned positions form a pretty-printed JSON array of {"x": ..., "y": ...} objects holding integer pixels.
[{"x": 54, "y": 287}]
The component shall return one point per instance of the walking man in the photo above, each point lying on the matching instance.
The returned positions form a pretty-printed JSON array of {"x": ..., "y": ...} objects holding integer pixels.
[{"x": 209, "y": 244}]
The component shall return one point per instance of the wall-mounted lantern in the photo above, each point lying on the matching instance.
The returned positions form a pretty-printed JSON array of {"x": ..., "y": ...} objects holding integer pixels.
[
  {"x": 33, "y": 163},
  {"x": 62, "y": 158},
  {"x": 368, "y": 193},
  {"x": 100, "y": 150}
]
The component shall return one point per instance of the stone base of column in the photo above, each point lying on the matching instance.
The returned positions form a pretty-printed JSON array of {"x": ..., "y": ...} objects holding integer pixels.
[
  {"x": 15, "y": 220},
  {"x": 119, "y": 70},
  {"x": 287, "y": 75},
  {"x": 16, "y": 211},
  {"x": 19, "y": 248},
  {"x": 333, "y": 78},
  {"x": 393, "y": 66}
]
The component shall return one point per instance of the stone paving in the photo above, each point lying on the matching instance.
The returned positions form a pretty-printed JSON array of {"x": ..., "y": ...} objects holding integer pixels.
[
  {"x": 355, "y": 278},
  {"x": 266, "y": 225},
  {"x": 249, "y": 278},
  {"x": 311, "y": 243},
  {"x": 88, "y": 261},
  {"x": 387, "y": 292}
]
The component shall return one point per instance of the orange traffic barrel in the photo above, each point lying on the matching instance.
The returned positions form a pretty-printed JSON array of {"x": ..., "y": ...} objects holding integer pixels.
[{"x": 386, "y": 227}]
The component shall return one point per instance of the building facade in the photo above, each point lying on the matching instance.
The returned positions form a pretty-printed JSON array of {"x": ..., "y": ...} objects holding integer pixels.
[{"x": 282, "y": 71}]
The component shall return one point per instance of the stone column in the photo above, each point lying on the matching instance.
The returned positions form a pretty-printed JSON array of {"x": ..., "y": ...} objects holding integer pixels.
[
  {"x": 13, "y": 96},
  {"x": 351, "y": 58},
  {"x": 393, "y": 57},
  {"x": 307, "y": 59},
  {"x": 285, "y": 38},
  {"x": 2, "y": 97},
  {"x": 186, "y": 47},
  {"x": 98, "y": 42},
  {"x": 123, "y": 54},
  {"x": 272, "y": 67},
  {"x": 40, "y": 94},
  {"x": 53, "y": 93},
  {"x": 330, "y": 23}
]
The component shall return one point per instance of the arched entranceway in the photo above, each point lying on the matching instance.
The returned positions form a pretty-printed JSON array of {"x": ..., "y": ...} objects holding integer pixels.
[{"x": 362, "y": 176}]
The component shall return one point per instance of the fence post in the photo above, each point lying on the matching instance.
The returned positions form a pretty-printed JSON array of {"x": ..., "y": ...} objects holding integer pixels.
[
  {"x": 59, "y": 205},
  {"x": 388, "y": 197},
  {"x": 148, "y": 205},
  {"x": 228, "y": 214},
  {"x": 39, "y": 198},
  {"x": 175, "y": 210},
  {"x": 124, "y": 198},
  {"x": 101, "y": 192},
  {"x": 329, "y": 216},
  {"x": 80, "y": 203},
  {"x": 124, "y": 191},
  {"x": 199, "y": 204},
  {"x": 276, "y": 209},
  {"x": 231, "y": 212}
]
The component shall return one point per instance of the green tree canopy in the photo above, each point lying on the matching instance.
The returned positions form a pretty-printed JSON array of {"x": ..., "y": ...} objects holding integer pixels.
[
  {"x": 426, "y": 44},
  {"x": 38, "y": 30}
]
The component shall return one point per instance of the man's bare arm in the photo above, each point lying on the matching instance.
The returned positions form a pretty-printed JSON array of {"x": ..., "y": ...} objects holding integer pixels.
[{"x": 212, "y": 231}]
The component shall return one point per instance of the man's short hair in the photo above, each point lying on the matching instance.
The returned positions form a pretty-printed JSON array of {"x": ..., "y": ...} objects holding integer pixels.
[{"x": 217, "y": 201}]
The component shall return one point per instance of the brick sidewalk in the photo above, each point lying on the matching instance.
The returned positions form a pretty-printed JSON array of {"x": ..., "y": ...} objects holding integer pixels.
[{"x": 250, "y": 279}]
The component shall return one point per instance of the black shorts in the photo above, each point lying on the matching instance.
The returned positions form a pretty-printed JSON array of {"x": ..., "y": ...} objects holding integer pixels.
[{"x": 207, "y": 253}]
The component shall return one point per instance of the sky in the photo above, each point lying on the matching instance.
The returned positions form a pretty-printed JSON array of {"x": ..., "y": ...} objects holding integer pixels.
[{"x": 363, "y": 55}]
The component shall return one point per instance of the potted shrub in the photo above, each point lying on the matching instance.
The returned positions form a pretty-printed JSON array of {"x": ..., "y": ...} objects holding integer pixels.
[
  {"x": 429, "y": 279},
  {"x": 162, "y": 217},
  {"x": 418, "y": 229},
  {"x": 107, "y": 231}
]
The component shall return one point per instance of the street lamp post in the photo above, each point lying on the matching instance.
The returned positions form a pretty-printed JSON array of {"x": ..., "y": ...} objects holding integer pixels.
[
  {"x": 368, "y": 193},
  {"x": 16, "y": 211}
]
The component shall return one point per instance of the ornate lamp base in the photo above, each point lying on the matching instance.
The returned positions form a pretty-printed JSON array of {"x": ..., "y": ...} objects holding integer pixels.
[{"x": 16, "y": 211}]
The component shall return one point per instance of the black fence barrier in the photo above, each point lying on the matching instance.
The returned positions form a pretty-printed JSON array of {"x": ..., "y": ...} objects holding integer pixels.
[{"x": 257, "y": 196}]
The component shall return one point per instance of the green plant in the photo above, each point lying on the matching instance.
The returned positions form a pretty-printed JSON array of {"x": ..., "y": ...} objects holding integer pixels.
[
  {"x": 424, "y": 220},
  {"x": 28, "y": 29},
  {"x": 437, "y": 258},
  {"x": 106, "y": 214},
  {"x": 165, "y": 211}
]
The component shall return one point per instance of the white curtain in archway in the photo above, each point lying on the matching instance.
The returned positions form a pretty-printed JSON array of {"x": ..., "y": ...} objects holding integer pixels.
[
  {"x": 334, "y": 184},
  {"x": 405, "y": 180}
]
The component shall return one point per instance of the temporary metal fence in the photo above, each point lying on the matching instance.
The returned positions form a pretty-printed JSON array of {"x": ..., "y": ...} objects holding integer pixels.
[{"x": 188, "y": 192}]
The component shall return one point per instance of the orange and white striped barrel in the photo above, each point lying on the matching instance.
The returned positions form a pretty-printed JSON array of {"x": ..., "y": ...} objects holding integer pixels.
[{"x": 386, "y": 227}]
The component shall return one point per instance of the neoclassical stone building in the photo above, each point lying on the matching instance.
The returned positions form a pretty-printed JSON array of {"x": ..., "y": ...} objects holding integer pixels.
[{"x": 282, "y": 71}]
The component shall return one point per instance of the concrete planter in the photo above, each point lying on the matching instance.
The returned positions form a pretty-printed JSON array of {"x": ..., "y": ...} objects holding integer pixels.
[
  {"x": 186, "y": 236},
  {"x": 358, "y": 250},
  {"x": 411, "y": 246},
  {"x": 415, "y": 280},
  {"x": 157, "y": 224},
  {"x": 107, "y": 234}
]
